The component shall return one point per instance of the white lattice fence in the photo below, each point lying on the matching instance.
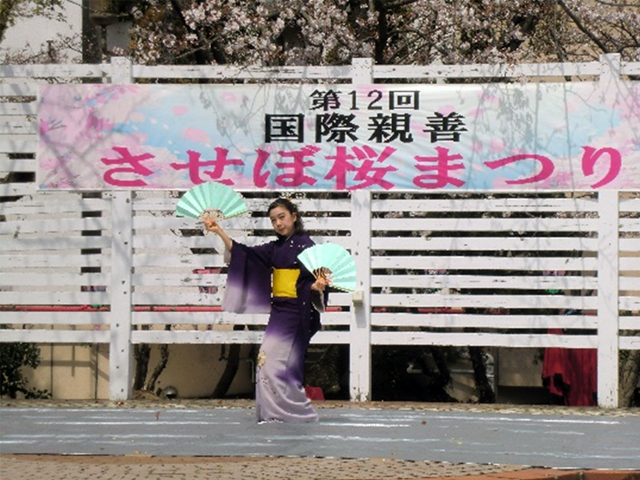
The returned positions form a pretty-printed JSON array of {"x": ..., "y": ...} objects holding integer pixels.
[{"x": 435, "y": 269}]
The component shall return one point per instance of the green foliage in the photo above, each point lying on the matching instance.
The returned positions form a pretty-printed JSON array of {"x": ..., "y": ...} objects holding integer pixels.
[{"x": 14, "y": 356}]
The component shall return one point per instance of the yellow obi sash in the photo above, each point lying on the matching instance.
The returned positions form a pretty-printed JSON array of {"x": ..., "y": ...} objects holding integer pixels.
[{"x": 284, "y": 282}]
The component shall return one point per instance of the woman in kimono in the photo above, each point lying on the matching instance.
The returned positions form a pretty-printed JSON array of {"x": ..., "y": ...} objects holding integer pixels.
[{"x": 269, "y": 278}]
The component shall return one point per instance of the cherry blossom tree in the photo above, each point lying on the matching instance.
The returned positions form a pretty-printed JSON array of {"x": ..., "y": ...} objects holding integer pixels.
[
  {"x": 10, "y": 10},
  {"x": 322, "y": 32},
  {"x": 58, "y": 44}
]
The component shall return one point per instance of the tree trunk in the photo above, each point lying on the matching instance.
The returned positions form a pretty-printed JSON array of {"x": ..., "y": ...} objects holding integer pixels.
[
  {"x": 324, "y": 370},
  {"x": 164, "y": 359},
  {"x": 485, "y": 392},
  {"x": 629, "y": 376},
  {"x": 141, "y": 354},
  {"x": 230, "y": 369},
  {"x": 441, "y": 362}
]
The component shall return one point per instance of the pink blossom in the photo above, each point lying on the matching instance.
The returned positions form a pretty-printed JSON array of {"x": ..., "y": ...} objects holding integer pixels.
[{"x": 195, "y": 135}]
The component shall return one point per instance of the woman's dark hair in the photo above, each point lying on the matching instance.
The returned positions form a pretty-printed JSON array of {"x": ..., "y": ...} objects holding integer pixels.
[{"x": 298, "y": 226}]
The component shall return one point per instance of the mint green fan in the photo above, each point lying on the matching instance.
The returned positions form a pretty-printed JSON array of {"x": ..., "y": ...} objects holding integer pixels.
[
  {"x": 332, "y": 261},
  {"x": 211, "y": 200}
]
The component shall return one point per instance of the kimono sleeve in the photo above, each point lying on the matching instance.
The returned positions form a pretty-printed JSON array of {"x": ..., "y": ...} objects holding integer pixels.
[{"x": 248, "y": 288}]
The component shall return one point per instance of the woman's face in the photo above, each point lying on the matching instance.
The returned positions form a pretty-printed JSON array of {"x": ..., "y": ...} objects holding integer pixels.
[{"x": 283, "y": 221}]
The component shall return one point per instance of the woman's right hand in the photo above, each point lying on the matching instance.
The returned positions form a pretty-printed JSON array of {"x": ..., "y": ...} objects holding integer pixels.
[{"x": 211, "y": 225}]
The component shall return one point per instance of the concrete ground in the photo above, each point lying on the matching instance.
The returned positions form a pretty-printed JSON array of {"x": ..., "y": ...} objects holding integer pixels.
[{"x": 149, "y": 467}]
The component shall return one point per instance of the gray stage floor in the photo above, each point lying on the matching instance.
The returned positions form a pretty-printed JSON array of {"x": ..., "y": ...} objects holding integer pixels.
[{"x": 560, "y": 440}]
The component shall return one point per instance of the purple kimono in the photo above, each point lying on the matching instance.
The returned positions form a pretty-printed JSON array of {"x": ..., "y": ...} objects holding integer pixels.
[{"x": 280, "y": 395}]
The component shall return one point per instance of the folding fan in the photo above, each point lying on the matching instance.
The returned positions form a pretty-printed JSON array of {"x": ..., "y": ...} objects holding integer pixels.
[
  {"x": 333, "y": 262},
  {"x": 211, "y": 199}
]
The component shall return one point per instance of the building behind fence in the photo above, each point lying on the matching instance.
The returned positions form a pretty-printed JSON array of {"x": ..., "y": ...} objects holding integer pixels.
[{"x": 115, "y": 269}]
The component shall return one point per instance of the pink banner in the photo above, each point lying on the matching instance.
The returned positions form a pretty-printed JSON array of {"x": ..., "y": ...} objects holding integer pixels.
[{"x": 570, "y": 136}]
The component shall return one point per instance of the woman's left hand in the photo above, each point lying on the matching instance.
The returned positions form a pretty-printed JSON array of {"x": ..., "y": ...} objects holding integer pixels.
[{"x": 320, "y": 284}]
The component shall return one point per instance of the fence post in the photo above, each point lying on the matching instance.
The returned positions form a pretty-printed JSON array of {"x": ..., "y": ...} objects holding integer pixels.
[
  {"x": 608, "y": 270},
  {"x": 120, "y": 347},
  {"x": 608, "y": 299},
  {"x": 360, "y": 331}
]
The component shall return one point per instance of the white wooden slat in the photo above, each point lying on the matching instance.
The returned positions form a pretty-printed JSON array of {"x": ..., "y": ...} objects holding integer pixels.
[
  {"x": 216, "y": 318},
  {"x": 176, "y": 296},
  {"x": 630, "y": 68},
  {"x": 54, "y": 279},
  {"x": 184, "y": 279},
  {"x": 170, "y": 221},
  {"x": 173, "y": 240},
  {"x": 630, "y": 283},
  {"x": 17, "y": 189},
  {"x": 54, "y": 336},
  {"x": 18, "y": 109},
  {"x": 16, "y": 165},
  {"x": 44, "y": 297},
  {"x": 33, "y": 72},
  {"x": 486, "y": 224},
  {"x": 342, "y": 299},
  {"x": 194, "y": 298},
  {"x": 47, "y": 203},
  {"x": 380, "y": 71},
  {"x": 630, "y": 205},
  {"x": 170, "y": 240},
  {"x": 479, "y": 339},
  {"x": 172, "y": 261},
  {"x": 629, "y": 303},
  {"x": 222, "y": 318},
  {"x": 310, "y": 223},
  {"x": 225, "y": 337},
  {"x": 630, "y": 264},
  {"x": 461, "y": 320},
  {"x": 175, "y": 287},
  {"x": 330, "y": 337},
  {"x": 14, "y": 89},
  {"x": 482, "y": 301},
  {"x": 485, "y": 282},
  {"x": 23, "y": 129},
  {"x": 196, "y": 336},
  {"x": 628, "y": 244},
  {"x": 630, "y": 225},
  {"x": 512, "y": 205},
  {"x": 50, "y": 243},
  {"x": 487, "y": 71},
  {"x": 630, "y": 322},
  {"x": 17, "y": 128},
  {"x": 12, "y": 227},
  {"x": 427, "y": 242},
  {"x": 18, "y": 144},
  {"x": 629, "y": 343},
  {"x": 47, "y": 260},
  {"x": 306, "y": 205},
  {"x": 54, "y": 318},
  {"x": 485, "y": 263},
  {"x": 211, "y": 241},
  {"x": 232, "y": 73}
]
